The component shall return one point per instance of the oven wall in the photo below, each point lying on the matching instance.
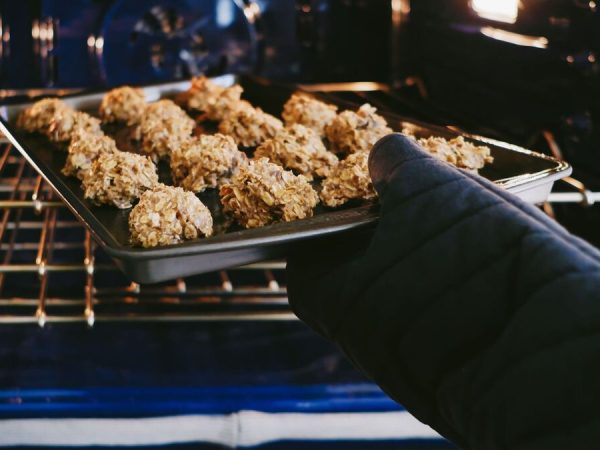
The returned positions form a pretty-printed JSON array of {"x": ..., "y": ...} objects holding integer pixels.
[
  {"x": 140, "y": 41},
  {"x": 518, "y": 82}
]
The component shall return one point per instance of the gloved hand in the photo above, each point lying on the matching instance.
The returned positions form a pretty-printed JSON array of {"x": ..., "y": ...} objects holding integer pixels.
[{"x": 464, "y": 304}]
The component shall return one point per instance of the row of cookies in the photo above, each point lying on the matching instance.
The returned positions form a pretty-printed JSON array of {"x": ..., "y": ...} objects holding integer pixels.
[
  {"x": 299, "y": 142},
  {"x": 167, "y": 215},
  {"x": 117, "y": 178},
  {"x": 260, "y": 194},
  {"x": 208, "y": 161}
]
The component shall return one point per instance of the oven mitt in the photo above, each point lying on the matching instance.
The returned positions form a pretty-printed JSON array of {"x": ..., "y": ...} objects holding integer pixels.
[{"x": 469, "y": 307}]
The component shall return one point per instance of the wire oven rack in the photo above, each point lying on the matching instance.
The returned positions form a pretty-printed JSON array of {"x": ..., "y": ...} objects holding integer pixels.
[{"x": 51, "y": 270}]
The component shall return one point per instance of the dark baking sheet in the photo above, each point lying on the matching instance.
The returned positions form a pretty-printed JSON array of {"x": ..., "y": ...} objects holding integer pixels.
[{"x": 525, "y": 173}]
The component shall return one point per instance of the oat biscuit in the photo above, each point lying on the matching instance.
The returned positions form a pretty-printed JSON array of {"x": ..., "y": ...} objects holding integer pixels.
[
  {"x": 458, "y": 152},
  {"x": 299, "y": 149},
  {"x": 308, "y": 111},
  {"x": 216, "y": 102},
  {"x": 356, "y": 131},
  {"x": 84, "y": 149},
  {"x": 119, "y": 178},
  {"x": 168, "y": 215},
  {"x": 123, "y": 104},
  {"x": 350, "y": 180},
  {"x": 164, "y": 126},
  {"x": 38, "y": 117},
  {"x": 250, "y": 126},
  {"x": 67, "y": 123},
  {"x": 262, "y": 193},
  {"x": 205, "y": 162}
]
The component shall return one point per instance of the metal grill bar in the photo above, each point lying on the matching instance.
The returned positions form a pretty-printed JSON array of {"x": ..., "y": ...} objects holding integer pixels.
[
  {"x": 19, "y": 204},
  {"x": 589, "y": 198},
  {"x": 51, "y": 271}
]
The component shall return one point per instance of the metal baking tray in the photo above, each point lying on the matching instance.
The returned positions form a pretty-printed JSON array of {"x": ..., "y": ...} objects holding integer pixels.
[{"x": 529, "y": 175}]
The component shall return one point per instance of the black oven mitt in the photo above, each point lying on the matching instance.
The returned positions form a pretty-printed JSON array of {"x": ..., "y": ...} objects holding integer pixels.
[{"x": 469, "y": 307}]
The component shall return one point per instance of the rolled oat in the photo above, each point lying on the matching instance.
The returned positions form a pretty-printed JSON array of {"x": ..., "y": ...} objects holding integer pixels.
[
  {"x": 164, "y": 126},
  {"x": 350, "y": 180},
  {"x": 356, "y": 131},
  {"x": 168, "y": 215},
  {"x": 119, "y": 178},
  {"x": 250, "y": 126},
  {"x": 123, "y": 104},
  {"x": 308, "y": 111},
  {"x": 299, "y": 149},
  {"x": 84, "y": 149},
  {"x": 205, "y": 162},
  {"x": 262, "y": 193}
]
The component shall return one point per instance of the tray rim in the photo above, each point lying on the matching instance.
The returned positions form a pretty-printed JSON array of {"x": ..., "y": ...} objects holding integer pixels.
[{"x": 361, "y": 215}]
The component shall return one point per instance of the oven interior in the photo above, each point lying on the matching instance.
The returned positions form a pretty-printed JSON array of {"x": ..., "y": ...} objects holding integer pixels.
[{"x": 80, "y": 340}]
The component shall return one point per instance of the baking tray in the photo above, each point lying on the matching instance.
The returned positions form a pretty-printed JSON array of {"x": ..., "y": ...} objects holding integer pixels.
[{"x": 529, "y": 175}]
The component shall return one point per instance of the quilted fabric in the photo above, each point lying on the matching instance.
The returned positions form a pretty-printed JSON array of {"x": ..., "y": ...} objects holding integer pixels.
[{"x": 471, "y": 308}]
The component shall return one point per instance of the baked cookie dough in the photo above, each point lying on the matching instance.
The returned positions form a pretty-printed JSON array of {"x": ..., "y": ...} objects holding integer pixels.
[
  {"x": 250, "y": 126},
  {"x": 38, "y": 117},
  {"x": 350, "y": 180},
  {"x": 201, "y": 93},
  {"x": 458, "y": 152},
  {"x": 168, "y": 215},
  {"x": 119, "y": 178},
  {"x": 262, "y": 193},
  {"x": 351, "y": 131},
  {"x": 216, "y": 102},
  {"x": 299, "y": 149},
  {"x": 84, "y": 149},
  {"x": 205, "y": 162},
  {"x": 308, "y": 111},
  {"x": 67, "y": 123},
  {"x": 164, "y": 126},
  {"x": 225, "y": 104},
  {"x": 124, "y": 104}
]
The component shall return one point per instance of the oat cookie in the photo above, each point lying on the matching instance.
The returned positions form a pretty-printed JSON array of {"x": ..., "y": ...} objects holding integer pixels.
[
  {"x": 308, "y": 111},
  {"x": 168, "y": 215},
  {"x": 350, "y": 180},
  {"x": 67, "y": 123},
  {"x": 458, "y": 152},
  {"x": 123, "y": 104},
  {"x": 205, "y": 162},
  {"x": 250, "y": 126},
  {"x": 216, "y": 102},
  {"x": 299, "y": 149},
  {"x": 84, "y": 149},
  {"x": 262, "y": 193},
  {"x": 38, "y": 117},
  {"x": 164, "y": 126},
  {"x": 201, "y": 92},
  {"x": 119, "y": 178},
  {"x": 356, "y": 131}
]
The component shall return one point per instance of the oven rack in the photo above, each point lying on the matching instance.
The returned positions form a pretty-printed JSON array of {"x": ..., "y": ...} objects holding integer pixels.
[{"x": 51, "y": 271}]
